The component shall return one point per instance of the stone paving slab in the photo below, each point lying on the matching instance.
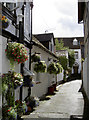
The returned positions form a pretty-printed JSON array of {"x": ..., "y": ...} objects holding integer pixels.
[{"x": 66, "y": 102}]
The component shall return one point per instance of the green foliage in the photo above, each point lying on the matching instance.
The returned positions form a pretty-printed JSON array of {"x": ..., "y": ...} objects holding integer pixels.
[
  {"x": 64, "y": 62},
  {"x": 40, "y": 67},
  {"x": 60, "y": 46},
  {"x": 52, "y": 68},
  {"x": 21, "y": 107},
  {"x": 10, "y": 80},
  {"x": 9, "y": 113},
  {"x": 60, "y": 68},
  {"x": 71, "y": 58},
  {"x": 35, "y": 58}
]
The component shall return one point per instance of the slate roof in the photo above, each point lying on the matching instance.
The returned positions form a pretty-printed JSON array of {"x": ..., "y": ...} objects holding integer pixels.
[
  {"x": 44, "y": 37},
  {"x": 37, "y": 43},
  {"x": 68, "y": 42}
]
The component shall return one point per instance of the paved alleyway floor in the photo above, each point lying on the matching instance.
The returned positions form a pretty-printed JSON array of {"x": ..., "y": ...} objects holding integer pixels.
[{"x": 66, "y": 102}]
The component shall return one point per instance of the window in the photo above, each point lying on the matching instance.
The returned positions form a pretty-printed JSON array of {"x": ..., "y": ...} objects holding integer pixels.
[
  {"x": 10, "y": 6},
  {"x": 75, "y": 42},
  {"x": 76, "y": 54}
]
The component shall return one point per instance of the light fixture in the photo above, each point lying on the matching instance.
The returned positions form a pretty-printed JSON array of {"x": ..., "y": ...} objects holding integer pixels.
[{"x": 20, "y": 16}]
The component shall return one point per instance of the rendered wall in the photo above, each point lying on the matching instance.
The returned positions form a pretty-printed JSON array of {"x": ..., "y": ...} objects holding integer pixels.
[{"x": 45, "y": 79}]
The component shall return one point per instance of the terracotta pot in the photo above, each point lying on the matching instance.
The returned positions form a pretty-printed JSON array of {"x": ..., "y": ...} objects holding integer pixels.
[
  {"x": 50, "y": 90},
  {"x": 29, "y": 109},
  {"x": 54, "y": 85}
]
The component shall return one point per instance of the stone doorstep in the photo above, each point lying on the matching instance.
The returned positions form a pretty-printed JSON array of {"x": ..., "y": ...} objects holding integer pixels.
[{"x": 76, "y": 117}]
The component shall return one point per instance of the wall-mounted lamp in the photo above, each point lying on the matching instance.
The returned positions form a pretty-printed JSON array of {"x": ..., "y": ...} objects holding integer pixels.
[
  {"x": 20, "y": 16},
  {"x": 9, "y": 40}
]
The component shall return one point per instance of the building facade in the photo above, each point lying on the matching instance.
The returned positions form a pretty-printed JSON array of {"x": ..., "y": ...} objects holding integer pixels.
[
  {"x": 83, "y": 17},
  {"x": 77, "y": 45}
]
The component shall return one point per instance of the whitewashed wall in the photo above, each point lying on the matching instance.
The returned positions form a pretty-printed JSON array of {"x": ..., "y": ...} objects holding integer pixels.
[
  {"x": 60, "y": 77},
  {"x": 0, "y": 74},
  {"x": 85, "y": 75},
  {"x": 5, "y": 64},
  {"x": 45, "y": 79}
]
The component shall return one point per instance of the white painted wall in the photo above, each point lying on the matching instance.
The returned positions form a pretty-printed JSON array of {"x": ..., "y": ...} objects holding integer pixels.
[
  {"x": 5, "y": 64},
  {"x": 0, "y": 75},
  {"x": 85, "y": 75},
  {"x": 60, "y": 77},
  {"x": 45, "y": 79}
]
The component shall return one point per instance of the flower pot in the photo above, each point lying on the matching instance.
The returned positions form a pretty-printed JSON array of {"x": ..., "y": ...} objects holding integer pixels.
[
  {"x": 54, "y": 85},
  {"x": 50, "y": 90},
  {"x": 29, "y": 109}
]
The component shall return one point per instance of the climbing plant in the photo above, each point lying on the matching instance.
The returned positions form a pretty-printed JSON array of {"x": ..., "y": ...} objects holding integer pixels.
[
  {"x": 64, "y": 62},
  {"x": 71, "y": 58}
]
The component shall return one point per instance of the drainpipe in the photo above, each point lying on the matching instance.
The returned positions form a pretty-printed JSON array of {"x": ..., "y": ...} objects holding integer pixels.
[
  {"x": 21, "y": 39},
  {"x": 31, "y": 43}
]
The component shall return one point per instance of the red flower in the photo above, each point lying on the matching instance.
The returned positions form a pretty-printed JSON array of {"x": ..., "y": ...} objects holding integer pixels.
[
  {"x": 5, "y": 50},
  {"x": 8, "y": 110}
]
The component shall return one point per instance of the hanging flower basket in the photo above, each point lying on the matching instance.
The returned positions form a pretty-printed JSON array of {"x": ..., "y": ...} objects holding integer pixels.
[
  {"x": 16, "y": 52},
  {"x": 28, "y": 81},
  {"x": 52, "y": 69},
  {"x": 35, "y": 58},
  {"x": 12, "y": 77},
  {"x": 5, "y": 22},
  {"x": 40, "y": 67},
  {"x": 60, "y": 69}
]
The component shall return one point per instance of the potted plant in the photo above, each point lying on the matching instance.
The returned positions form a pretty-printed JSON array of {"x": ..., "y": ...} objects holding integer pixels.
[
  {"x": 5, "y": 22},
  {"x": 40, "y": 67},
  {"x": 50, "y": 90},
  {"x": 17, "y": 78},
  {"x": 16, "y": 52},
  {"x": 9, "y": 113},
  {"x": 52, "y": 69},
  {"x": 35, "y": 58},
  {"x": 10, "y": 81},
  {"x": 21, "y": 107}
]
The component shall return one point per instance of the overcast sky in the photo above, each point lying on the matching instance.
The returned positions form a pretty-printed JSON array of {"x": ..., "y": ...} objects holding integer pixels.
[{"x": 57, "y": 16}]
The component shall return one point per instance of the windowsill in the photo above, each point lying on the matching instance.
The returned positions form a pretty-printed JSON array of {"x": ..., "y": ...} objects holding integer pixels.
[{"x": 38, "y": 82}]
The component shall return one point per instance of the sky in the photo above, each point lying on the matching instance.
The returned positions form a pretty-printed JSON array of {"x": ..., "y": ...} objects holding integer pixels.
[{"x": 59, "y": 17}]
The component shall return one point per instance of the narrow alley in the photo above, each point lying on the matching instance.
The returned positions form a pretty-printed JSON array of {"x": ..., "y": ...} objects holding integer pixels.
[
  {"x": 66, "y": 102},
  {"x": 44, "y": 60}
]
